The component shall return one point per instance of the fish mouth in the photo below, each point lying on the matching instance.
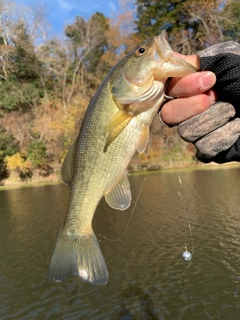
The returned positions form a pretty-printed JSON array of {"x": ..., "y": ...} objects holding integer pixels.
[{"x": 171, "y": 66}]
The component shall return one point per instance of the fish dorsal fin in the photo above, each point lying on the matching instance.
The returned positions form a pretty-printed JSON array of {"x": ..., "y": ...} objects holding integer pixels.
[
  {"x": 144, "y": 140},
  {"x": 119, "y": 121},
  {"x": 66, "y": 170},
  {"x": 119, "y": 197}
]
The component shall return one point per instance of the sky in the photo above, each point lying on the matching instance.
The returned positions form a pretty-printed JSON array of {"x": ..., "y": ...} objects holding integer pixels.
[{"x": 60, "y": 13}]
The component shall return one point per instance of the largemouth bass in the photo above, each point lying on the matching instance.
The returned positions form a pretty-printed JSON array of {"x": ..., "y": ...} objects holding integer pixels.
[{"x": 116, "y": 125}]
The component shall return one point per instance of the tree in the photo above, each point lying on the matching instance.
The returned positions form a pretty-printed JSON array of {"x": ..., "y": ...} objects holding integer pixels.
[
  {"x": 23, "y": 80},
  {"x": 191, "y": 25},
  {"x": 156, "y": 15},
  {"x": 24, "y": 58},
  {"x": 231, "y": 26},
  {"x": 8, "y": 147},
  {"x": 20, "y": 68},
  {"x": 6, "y": 50},
  {"x": 55, "y": 61},
  {"x": 120, "y": 34},
  {"x": 88, "y": 43},
  {"x": 209, "y": 20}
]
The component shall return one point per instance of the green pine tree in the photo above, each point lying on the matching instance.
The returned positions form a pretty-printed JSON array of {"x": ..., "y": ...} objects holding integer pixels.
[{"x": 156, "y": 15}]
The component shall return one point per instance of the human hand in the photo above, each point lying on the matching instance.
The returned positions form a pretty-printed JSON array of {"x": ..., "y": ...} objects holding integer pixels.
[
  {"x": 193, "y": 92},
  {"x": 216, "y": 132}
]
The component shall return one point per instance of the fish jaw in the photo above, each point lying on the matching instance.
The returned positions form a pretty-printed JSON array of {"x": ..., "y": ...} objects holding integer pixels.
[
  {"x": 158, "y": 64},
  {"x": 169, "y": 64}
]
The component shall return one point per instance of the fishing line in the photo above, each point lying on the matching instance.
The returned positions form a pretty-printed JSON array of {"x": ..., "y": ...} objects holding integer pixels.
[
  {"x": 130, "y": 219},
  {"x": 187, "y": 256}
]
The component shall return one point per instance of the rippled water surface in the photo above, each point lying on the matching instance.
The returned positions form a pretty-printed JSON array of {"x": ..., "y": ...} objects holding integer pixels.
[{"x": 148, "y": 278}]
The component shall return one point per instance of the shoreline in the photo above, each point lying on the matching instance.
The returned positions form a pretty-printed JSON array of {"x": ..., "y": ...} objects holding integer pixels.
[{"x": 55, "y": 178}]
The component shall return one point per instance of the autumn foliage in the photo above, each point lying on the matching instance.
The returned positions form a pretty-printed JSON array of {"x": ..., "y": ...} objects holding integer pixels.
[{"x": 46, "y": 84}]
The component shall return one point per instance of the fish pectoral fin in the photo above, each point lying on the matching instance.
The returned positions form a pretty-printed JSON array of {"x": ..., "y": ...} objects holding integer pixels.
[
  {"x": 119, "y": 197},
  {"x": 119, "y": 122},
  {"x": 144, "y": 140},
  {"x": 66, "y": 171}
]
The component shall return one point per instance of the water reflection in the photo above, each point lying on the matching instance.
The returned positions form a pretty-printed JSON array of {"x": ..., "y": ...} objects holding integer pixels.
[
  {"x": 145, "y": 265},
  {"x": 136, "y": 305}
]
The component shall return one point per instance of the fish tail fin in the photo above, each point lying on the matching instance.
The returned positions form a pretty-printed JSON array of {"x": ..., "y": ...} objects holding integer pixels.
[{"x": 78, "y": 255}]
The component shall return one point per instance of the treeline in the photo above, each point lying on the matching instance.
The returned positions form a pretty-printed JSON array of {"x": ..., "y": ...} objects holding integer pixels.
[{"x": 45, "y": 84}]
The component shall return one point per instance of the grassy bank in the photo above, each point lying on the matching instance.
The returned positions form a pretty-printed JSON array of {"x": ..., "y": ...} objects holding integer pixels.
[{"x": 36, "y": 180}]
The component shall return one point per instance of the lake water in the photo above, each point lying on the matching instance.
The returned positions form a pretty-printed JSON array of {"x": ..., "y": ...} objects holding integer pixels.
[{"x": 148, "y": 277}]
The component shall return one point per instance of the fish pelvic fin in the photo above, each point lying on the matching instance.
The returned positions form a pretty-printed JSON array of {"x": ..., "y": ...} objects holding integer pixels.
[
  {"x": 119, "y": 197},
  {"x": 78, "y": 255},
  {"x": 144, "y": 140},
  {"x": 119, "y": 122}
]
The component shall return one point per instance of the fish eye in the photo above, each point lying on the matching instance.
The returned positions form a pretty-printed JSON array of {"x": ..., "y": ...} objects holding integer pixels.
[{"x": 140, "y": 51}]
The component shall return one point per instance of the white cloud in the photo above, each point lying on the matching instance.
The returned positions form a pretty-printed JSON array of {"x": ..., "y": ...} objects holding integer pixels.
[
  {"x": 65, "y": 5},
  {"x": 112, "y": 6}
]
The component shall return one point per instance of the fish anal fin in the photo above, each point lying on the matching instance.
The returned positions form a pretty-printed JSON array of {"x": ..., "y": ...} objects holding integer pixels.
[
  {"x": 119, "y": 197},
  {"x": 78, "y": 255},
  {"x": 66, "y": 171},
  {"x": 115, "y": 129},
  {"x": 144, "y": 140}
]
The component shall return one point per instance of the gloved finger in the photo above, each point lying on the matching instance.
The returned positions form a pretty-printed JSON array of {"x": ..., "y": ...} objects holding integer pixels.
[
  {"x": 211, "y": 119},
  {"x": 218, "y": 140}
]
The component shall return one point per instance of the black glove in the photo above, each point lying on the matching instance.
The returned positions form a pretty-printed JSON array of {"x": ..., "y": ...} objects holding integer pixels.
[
  {"x": 224, "y": 60},
  {"x": 216, "y": 131}
]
